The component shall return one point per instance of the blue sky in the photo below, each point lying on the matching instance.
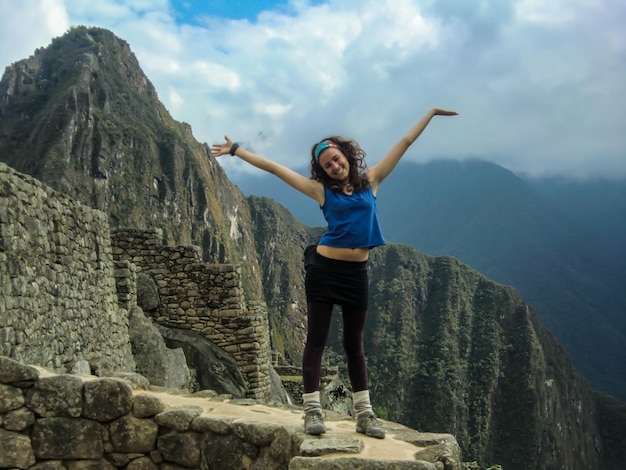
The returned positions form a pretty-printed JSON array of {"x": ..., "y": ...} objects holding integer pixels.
[
  {"x": 191, "y": 11},
  {"x": 538, "y": 84}
]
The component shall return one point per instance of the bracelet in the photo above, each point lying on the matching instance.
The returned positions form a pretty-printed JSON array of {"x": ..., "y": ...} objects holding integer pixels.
[{"x": 234, "y": 148}]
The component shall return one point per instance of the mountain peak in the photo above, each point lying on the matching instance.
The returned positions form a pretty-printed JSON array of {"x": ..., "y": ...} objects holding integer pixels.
[
  {"x": 86, "y": 76},
  {"x": 74, "y": 58},
  {"x": 81, "y": 116}
]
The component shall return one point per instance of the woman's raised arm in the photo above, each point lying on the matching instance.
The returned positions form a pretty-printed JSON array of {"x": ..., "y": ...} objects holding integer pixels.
[
  {"x": 377, "y": 173},
  {"x": 307, "y": 186}
]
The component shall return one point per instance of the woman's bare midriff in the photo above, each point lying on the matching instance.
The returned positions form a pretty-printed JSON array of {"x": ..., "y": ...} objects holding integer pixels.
[{"x": 343, "y": 254}]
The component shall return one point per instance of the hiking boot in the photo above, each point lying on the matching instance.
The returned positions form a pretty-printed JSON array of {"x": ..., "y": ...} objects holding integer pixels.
[
  {"x": 314, "y": 423},
  {"x": 370, "y": 426}
]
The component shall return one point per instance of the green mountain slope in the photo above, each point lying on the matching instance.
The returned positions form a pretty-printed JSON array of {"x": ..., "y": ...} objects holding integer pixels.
[{"x": 281, "y": 240}]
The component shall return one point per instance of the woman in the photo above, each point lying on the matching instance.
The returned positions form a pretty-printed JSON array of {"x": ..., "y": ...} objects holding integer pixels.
[{"x": 336, "y": 270}]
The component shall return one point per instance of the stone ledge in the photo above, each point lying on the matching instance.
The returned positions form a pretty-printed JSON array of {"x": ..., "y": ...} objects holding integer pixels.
[
  {"x": 129, "y": 421},
  {"x": 403, "y": 448},
  {"x": 338, "y": 463}
]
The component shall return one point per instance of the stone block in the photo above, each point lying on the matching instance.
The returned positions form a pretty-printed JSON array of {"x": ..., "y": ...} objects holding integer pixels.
[
  {"x": 226, "y": 453},
  {"x": 107, "y": 399},
  {"x": 142, "y": 463},
  {"x": 15, "y": 450},
  {"x": 133, "y": 435},
  {"x": 258, "y": 434},
  {"x": 215, "y": 424},
  {"x": 67, "y": 439},
  {"x": 18, "y": 420},
  {"x": 183, "y": 449},
  {"x": 90, "y": 465},
  {"x": 145, "y": 406},
  {"x": 11, "y": 398},
  {"x": 178, "y": 419},
  {"x": 58, "y": 395},
  {"x": 329, "y": 445}
]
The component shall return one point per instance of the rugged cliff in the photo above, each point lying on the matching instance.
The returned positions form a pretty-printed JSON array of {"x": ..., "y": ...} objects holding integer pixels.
[
  {"x": 281, "y": 240},
  {"x": 449, "y": 350},
  {"x": 502, "y": 384}
]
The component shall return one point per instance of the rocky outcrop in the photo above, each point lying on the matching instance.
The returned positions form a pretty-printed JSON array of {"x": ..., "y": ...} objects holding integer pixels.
[
  {"x": 67, "y": 421},
  {"x": 213, "y": 368},
  {"x": 161, "y": 365}
]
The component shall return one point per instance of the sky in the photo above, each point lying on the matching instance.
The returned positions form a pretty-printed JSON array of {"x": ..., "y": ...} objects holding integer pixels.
[{"x": 540, "y": 86}]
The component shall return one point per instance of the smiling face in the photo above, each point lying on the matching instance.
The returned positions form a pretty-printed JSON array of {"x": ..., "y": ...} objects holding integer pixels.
[{"x": 335, "y": 164}]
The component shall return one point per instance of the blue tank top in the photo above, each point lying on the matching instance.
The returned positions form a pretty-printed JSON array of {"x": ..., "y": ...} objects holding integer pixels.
[{"x": 352, "y": 220}]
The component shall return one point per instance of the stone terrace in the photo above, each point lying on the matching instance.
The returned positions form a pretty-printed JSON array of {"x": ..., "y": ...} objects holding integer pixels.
[{"x": 52, "y": 421}]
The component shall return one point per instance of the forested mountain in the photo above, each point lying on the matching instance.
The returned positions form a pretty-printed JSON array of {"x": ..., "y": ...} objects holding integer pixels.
[
  {"x": 82, "y": 116},
  {"x": 450, "y": 349}
]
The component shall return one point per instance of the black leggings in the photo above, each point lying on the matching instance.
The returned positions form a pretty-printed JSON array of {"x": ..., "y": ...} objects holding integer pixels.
[
  {"x": 319, "y": 315},
  {"x": 332, "y": 282}
]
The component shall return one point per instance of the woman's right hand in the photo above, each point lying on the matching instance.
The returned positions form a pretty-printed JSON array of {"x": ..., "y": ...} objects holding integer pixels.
[
  {"x": 217, "y": 150},
  {"x": 443, "y": 112}
]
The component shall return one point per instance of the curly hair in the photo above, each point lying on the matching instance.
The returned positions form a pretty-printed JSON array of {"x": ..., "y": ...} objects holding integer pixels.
[{"x": 356, "y": 159}]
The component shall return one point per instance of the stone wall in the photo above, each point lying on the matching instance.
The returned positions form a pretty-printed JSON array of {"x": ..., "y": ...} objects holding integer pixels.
[
  {"x": 67, "y": 288},
  {"x": 67, "y": 421},
  {"x": 207, "y": 298},
  {"x": 59, "y": 303},
  {"x": 63, "y": 421}
]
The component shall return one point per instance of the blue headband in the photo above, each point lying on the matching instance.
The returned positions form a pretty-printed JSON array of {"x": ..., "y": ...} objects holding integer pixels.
[{"x": 323, "y": 146}]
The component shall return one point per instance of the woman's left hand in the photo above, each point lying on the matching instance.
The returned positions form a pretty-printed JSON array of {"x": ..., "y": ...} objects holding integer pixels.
[{"x": 218, "y": 150}]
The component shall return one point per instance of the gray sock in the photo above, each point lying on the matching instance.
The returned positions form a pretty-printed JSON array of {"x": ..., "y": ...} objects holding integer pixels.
[
  {"x": 311, "y": 401},
  {"x": 362, "y": 404}
]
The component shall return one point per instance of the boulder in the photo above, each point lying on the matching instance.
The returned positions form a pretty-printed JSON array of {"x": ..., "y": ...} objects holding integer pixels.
[
  {"x": 161, "y": 365},
  {"x": 147, "y": 293}
]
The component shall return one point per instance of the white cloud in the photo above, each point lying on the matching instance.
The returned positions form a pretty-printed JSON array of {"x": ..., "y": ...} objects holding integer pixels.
[
  {"x": 215, "y": 75},
  {"x": 28, "y": 25},
  {"x": 553, "y": 14},
  {"x": 176, "y": 101},
  {"x": 537, "y": 83}
]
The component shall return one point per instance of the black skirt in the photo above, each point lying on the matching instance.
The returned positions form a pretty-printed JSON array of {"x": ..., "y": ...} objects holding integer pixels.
[{"x": 334, "y": 281}]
